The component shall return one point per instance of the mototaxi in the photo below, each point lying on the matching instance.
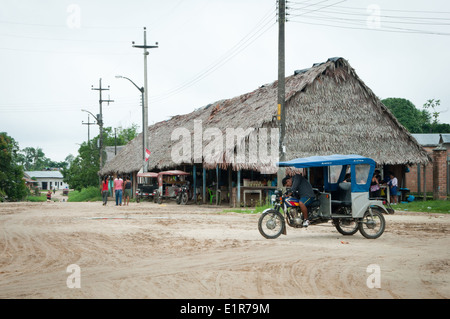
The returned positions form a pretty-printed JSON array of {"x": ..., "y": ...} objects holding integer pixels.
[{"x": 346, "y": 204}]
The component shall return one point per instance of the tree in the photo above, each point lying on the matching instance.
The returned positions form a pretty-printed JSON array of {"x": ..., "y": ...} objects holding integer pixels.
[
  {"x": 83, "y": 170},
  {"x": 434, "y": 126},
  {"x": 407, "y": 114},
  {"x": 12, "y": 183},
  {"x": 120, "y": 136},
  {"x": 34, "y": 158},
  {"x": 415, "y": 120}
]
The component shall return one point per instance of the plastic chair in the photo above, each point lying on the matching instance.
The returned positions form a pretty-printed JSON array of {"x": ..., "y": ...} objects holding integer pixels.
[{"x": 213, "y": 195}]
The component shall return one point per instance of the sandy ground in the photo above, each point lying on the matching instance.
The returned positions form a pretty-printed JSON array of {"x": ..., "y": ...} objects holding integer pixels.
[{"x": 164, "y": 251}]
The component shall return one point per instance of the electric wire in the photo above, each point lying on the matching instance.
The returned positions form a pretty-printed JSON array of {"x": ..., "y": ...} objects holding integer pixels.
[
  {"x": 340, "y": 17},
  {"x": 263, "y": 26}
]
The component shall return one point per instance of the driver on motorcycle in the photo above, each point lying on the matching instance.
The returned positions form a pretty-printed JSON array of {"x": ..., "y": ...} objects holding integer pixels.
[{"x": 301, "y": 189}]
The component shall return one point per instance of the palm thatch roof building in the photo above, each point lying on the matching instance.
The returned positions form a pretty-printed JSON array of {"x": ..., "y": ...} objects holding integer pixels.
[{"x": 329, "y": 110}]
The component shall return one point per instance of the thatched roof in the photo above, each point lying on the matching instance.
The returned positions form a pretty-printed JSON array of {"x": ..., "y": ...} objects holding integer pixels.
[{"x": 329, "y": 110}]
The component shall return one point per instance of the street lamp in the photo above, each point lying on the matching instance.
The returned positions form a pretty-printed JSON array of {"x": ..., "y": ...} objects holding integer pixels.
[
  {"x": 98, "y": 118},
  {"x": 88, "y": 124},
  {"x": 144, "y": 122}
]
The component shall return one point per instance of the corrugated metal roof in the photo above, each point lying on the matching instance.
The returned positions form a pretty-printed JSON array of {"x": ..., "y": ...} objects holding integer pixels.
[
  {"x": 431, "y": 139},
  {"x": 44, "y": 174}
]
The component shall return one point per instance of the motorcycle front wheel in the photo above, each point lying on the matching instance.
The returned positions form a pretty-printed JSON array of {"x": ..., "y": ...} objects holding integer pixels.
[
  {"x": 271, "y": 224},
  {"x": 184, "y": 198},
  {"x": 372, "y": 225}
]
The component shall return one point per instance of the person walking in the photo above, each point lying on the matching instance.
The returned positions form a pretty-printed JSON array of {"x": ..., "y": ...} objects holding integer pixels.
[{"x": 118, "y": 190}]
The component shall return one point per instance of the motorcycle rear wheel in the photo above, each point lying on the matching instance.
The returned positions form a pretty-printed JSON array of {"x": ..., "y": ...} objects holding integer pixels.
[
  {"x": 271, "y": 224},
  {"x": 346, "y": 227}
]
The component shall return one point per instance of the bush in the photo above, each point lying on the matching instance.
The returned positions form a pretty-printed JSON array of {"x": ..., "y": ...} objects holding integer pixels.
[{"x": 90, "y": 194}]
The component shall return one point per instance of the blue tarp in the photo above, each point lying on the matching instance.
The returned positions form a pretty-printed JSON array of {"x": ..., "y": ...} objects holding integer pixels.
[{"x": 328, "y": 160}]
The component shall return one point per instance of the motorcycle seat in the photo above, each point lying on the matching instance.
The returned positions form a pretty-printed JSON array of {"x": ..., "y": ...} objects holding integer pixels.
[
  {"x": 344, "y": 195},
  {"x": 341, "y": 203},
  {"x": 315, "y": 203}
]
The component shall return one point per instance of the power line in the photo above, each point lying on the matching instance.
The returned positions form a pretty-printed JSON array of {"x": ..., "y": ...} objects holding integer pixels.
[
  {"x": 394, "y": 30},
  {"x": 346, "y": 20},
  {"x": 59, "y": 39},
  {"x": 264, "y": 25},
  {"x": 65, "y": 25},
  {"x": 388, "y": 10},
  {"x": 365, "y": 14}
]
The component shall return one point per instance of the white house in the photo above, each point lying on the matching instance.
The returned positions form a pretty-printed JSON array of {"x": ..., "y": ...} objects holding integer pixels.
[{"x": 47, "y": 179}]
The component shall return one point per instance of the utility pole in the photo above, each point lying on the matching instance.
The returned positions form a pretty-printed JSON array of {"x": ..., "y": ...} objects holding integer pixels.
[
  {"x": 88, "y": 124},
  {"x": 142, "y": 90},
  {"x": 100, "y": 117},
  {"x": 281, "y": 113},
  {"x": 145, "y": 112}
]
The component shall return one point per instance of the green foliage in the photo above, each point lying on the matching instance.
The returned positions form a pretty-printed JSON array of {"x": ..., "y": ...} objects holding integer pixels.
[
  {"x": 83, "y": 170},
  {"x": 89, "y": 194},
  {"x": 12, "y": 184},
  {"x": 33, "y": 159},
  {"x": 415, "y": 120}
]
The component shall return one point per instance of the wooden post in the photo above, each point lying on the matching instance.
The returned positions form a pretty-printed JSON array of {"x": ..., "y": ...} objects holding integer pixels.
[{"x": 204, "y": 186}]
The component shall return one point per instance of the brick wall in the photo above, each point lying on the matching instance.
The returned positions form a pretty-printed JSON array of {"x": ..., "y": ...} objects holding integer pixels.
[
  {"x": 440, "y": 173},
  {"x": 411, "y": 177},
  {"x": 440, "y": 179}
]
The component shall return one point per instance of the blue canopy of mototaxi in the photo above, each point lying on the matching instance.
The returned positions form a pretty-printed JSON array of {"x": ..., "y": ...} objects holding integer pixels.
[
  {"x": 328, "y": 160},
  {"x": 335, "y": 160}
]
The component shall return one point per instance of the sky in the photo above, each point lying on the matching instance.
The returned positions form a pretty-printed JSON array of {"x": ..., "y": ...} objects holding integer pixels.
[{"x": 52, "y": 53}]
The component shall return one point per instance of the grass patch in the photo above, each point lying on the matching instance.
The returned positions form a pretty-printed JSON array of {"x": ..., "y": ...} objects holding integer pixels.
[
  {"x": 36, "y": 199},
  {"x": 429, "y": 206},
  {"x": 90, "y": 194},
  {"x": 248, "y": 210}
]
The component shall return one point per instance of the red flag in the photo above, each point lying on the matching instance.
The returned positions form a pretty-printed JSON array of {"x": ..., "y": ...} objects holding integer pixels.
[{"x": 147, "y": 154}]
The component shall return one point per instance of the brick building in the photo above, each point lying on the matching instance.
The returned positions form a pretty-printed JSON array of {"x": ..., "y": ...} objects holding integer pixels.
[{"x": 432, "y": 177}]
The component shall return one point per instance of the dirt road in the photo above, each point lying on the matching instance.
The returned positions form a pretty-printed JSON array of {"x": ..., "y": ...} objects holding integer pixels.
[{"x": 168, "y": 251}]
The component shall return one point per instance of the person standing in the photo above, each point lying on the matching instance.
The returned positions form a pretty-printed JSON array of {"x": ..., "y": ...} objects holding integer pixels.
[
  {"x": 375, "y": 190},
  {"x": 105, "y": 191},
  {"x": 393, "y": 184},
  {"x": 118, "y": 189},
  {"x": 127, "y": 191}
]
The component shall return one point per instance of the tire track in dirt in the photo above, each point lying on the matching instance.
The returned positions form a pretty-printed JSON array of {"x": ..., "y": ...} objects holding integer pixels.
[{"x": 196, "y": 254}]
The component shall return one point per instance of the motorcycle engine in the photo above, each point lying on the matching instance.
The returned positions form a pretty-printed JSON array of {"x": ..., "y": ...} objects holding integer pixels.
[
  {"x": 314, "y": 213},
  {"x": 295, "y": 215}
]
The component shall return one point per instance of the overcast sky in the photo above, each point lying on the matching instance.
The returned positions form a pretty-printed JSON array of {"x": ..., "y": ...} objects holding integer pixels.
[{"x": 52, "y": 52}]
